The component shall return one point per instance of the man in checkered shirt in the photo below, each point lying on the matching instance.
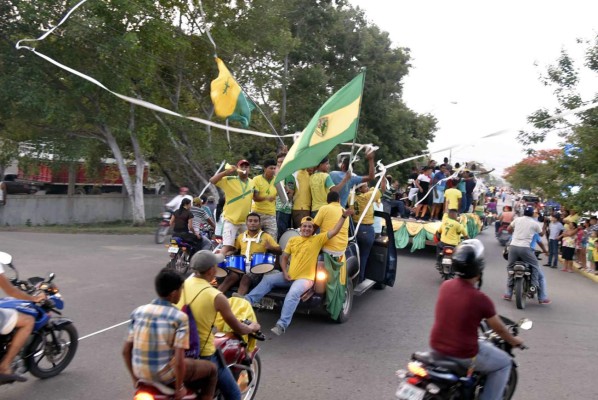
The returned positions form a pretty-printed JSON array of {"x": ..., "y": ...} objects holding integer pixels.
[{"x": 157, "y": 338}]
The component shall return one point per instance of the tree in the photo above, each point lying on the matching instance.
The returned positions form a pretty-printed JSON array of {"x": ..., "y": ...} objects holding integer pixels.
[{"x": 574, "y": 177}]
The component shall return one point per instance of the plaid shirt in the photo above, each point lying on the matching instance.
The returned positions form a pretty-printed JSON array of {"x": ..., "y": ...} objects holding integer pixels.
[{"x": 156, "y": 329}]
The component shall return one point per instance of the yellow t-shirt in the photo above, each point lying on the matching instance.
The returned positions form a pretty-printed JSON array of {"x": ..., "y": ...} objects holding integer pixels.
[
  {"x": 264, "y": 189},
  {"x": 320, "y": 184},
  {"x": 304, "y": 255},
  {"x": 302, "y": 199},
  {"x": 326, "y": 219},
  {"x": 452, "y": 196},
  {"x": 238, "y": 195},
  {"x": 241, "y": 243},
  {"x": 361, "y": 201},
  {"x": 203, "y": 310},
  {"x": 451, "y": 231}
]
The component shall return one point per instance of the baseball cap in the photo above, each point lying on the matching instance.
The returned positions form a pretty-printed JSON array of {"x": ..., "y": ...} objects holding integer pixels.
[
  {"x": 204, "y": 260},
  {"x": 307, "y": 219},
  {"x": 243, "y": 161}
]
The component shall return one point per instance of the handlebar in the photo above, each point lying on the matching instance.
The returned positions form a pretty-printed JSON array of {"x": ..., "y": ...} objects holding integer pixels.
[{"x": 258, "y": 335}]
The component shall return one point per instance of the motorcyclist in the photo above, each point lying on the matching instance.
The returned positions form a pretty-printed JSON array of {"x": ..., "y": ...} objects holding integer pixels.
[
  {"x": 505, "y": 217},
  {"x": 208, "y": 301},
  {"x": 10, "y": 320},
  {"x": 523, "y": 230},
  {"x": 175, "y": 203},
  {"x": 460, "y": 308},
  {"x": 182, "y": 226},
  {"x": 450, "y": 232}
]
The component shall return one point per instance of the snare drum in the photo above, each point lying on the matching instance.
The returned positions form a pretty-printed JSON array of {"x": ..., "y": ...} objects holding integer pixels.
[
  {"x": 236, "y": 264},
  {"x": 284, "y": 239},
  {"x": 222, "y": 270},
  {"x": 262, "y": 263}
]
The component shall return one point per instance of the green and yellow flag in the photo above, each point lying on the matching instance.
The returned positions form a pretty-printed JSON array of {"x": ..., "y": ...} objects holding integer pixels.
[
  {"x": 229, "y": 100},
  {"x": 335, "y": 122}
]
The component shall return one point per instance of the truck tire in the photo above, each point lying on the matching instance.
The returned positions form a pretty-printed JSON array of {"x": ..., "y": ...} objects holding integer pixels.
[{"x": 348, "y": 304}]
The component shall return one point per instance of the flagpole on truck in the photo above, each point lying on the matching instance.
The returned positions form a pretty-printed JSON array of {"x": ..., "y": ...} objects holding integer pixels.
[{"x": 351, "y": 158}]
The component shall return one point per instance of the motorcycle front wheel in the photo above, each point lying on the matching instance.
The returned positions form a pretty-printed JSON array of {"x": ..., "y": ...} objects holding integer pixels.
[
  {"x": 519, "y": 293},
  {"x": 256, "y": 366},
  {"x": 52, "y": 350},
  {"x": 161, "y": 234}
]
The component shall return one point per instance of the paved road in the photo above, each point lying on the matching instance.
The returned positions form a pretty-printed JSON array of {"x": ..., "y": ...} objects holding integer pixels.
[{"x": 102, "y": 278}]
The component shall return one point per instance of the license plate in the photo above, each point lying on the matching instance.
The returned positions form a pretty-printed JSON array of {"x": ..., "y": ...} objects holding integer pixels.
[
  {"x": 447, "y": 261},
  {"x": 407, "y": 391},
  {"x": 173, "y": 249},
  {"x": 267, "y": 303}
]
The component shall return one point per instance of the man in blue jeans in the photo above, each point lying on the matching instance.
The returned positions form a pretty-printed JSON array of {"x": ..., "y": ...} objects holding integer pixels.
[
  {"x": 554, "y": 228},
  {"x": 460, "y": 308},
  {"x": 299, "y": 276}
]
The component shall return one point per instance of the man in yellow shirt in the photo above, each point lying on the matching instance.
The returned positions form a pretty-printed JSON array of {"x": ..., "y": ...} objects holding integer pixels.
[
  {"x": 321, "y": 184},
  {"x": 302, "y": 196},
  {"x": 264, "y": 198},
  {"x": 299, "y": 276},
  {"x": 365, "y": 232},
  {"x": 238, "y": 191},
  {"x": 205, "y": 302},
  {"x": 452, "y": 199},
  {"x": 253, "y": 240},
  {"x": 450, "y": 231}
]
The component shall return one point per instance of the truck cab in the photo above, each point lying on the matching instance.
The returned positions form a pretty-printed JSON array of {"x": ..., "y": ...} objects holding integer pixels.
[{"x": 380, "y": 272}]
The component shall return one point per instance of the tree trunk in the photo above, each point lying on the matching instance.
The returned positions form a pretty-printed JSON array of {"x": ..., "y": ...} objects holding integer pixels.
[{"x": 137, "y": 203}]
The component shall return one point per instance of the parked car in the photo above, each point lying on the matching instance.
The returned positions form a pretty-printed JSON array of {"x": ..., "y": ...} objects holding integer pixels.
[{"x": 16, "y": 186}]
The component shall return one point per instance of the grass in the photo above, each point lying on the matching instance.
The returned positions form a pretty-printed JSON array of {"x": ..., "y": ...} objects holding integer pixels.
[{"x": 108, "y": 228}]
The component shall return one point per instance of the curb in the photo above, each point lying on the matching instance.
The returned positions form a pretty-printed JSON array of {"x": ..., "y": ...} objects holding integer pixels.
[{"x": 577, "y": 270}]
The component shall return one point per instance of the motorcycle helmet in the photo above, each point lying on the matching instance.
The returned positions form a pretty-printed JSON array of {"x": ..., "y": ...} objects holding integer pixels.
[
  {"x": 528, "y": 211},
  {"x": 468, "y": 259}
]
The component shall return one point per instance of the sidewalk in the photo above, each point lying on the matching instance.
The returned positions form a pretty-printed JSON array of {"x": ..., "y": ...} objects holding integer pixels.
[{"x": 579, "y": 271}]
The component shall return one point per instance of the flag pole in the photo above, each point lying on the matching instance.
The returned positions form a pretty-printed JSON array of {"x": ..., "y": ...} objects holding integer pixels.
[{"x": 357, "y": 126}]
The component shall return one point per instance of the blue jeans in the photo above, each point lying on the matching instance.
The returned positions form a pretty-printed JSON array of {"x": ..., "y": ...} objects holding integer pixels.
[
  {"x": 553, "y": 252},
  {"x": 226, "y": 381},
  {"x": 467, "y": 201},
  {"x": 388, "y": 205},
  {"x": 283, "y": 222},
  {"x": 365, "y": 241},
  {"x": 291, "y": 300}
]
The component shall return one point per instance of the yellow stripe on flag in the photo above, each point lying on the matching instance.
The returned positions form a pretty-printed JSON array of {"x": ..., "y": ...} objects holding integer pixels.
[{"x": 336, "y": 122}]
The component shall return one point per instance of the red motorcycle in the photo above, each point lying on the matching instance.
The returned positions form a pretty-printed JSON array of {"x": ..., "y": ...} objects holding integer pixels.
[{"x": 245, "y": 365}]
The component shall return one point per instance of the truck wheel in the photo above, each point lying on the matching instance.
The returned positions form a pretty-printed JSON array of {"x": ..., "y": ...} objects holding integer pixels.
[{"x": 348, "y": 304}]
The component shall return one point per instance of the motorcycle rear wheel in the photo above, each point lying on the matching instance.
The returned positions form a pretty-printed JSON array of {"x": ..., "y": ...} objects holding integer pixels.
[
  {"x": 519, "y": 293},
  {"x": 43, "y": 350},
  {"x": 161, "y": 234},
  {"x": 511, "y": 384},
  {"x": 179, "y": 263}
]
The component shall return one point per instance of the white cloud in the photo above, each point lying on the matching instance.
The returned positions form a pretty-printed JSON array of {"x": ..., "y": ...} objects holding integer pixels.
[{"x": 482, "y": 55}]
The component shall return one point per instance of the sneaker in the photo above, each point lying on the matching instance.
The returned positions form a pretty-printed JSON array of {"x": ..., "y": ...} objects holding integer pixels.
[
  {"x": 507, "y": 297},
  {"x": 545, "y": 301},
  {"x": 278, "y": 330},
  {"x": 546, "y": 265}
]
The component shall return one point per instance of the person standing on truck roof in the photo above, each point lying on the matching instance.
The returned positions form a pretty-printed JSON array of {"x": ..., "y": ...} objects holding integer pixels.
[
  {"x": 299, "y": 276},
  {"x": 175, "y": 203},
  {"x": 338, "y": 176},
  {"x": 365, "y": 232}
]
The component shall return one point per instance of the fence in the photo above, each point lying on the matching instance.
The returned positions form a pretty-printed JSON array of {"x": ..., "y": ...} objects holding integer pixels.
[{"x": 62, "y": 209}]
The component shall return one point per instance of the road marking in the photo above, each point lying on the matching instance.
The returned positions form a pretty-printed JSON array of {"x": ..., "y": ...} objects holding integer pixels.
[{"x": 104, "y": 330}]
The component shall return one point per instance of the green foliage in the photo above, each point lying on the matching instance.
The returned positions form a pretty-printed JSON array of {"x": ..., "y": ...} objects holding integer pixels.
[{"x": 569, "y": 178}]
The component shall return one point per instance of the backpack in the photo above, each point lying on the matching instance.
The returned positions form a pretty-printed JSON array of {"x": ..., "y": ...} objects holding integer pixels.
[{"x": 193, "y": 351}]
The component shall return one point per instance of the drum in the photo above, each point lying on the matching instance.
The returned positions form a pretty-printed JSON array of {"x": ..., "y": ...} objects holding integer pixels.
[
  {"x": 236, "y": 263},
  {"x": 221, "y": 270},
  {"x": 262, "y": 263},
  {"x": 284, "y": 239}
]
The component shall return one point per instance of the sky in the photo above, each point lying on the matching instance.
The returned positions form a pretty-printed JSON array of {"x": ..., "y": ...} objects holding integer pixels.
[{"x": 476, "y": 66}]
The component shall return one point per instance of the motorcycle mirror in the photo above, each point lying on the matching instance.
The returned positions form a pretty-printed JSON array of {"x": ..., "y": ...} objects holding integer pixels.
[
  {"x": 5, "y": 258},
  {"x": 51, "y": 277},
  {"x": 526, "y": 324}
]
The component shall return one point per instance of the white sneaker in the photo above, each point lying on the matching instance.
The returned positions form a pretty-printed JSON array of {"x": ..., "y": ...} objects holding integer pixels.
[{"x": 278, "y": 330}]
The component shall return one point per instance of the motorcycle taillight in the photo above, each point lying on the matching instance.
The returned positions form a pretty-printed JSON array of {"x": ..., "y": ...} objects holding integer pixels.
[{"x": 143, "y": 396}]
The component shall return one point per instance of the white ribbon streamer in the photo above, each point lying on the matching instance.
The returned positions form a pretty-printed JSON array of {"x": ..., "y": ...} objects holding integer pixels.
[
  {"x": 371, "y": 200},
  {"x": 209, "y": 183}
]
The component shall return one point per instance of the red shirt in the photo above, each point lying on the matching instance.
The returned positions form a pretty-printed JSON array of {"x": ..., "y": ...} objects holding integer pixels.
[{"x": 459, "y": 309}]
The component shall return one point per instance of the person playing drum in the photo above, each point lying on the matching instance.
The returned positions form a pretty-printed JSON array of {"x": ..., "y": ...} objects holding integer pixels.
[{"x": 252, "y": 241}]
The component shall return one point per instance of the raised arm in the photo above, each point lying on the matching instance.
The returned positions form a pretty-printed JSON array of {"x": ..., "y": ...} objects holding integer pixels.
[{"x": 227, "y": 172}]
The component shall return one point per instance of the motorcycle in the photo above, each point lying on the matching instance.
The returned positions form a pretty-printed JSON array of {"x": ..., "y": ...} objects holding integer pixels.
[
  {"x": 444, "y": 263},
  {"x": 429, "y": 376},
  {"x": 522, "y": 287},
  {"x": 181, "y": 251},
  {"x": 53, "y": 342},
  {"x": 245, "y": 365},
  {"x": 163, "y": 227},
  {"x": 503, "y": 235}
]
